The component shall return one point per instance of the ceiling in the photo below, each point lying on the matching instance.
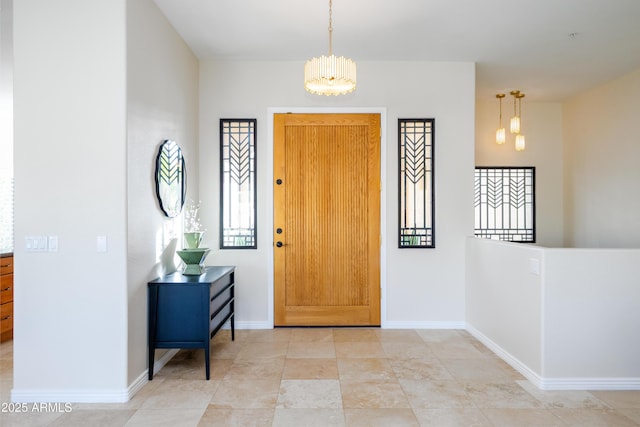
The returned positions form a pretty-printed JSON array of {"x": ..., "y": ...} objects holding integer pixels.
[{"x": 549, "y": 49}]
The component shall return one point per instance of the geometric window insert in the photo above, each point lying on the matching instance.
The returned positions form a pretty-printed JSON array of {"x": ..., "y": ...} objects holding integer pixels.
[
  {"x": 505, "y": 203},
  {"x": 238, "y": 184},
  {"x": 416, "y": 139}
]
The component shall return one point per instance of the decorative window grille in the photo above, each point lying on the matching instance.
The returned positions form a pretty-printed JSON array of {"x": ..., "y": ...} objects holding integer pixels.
[
  {"x": 416, "y": 175},
  {"x": 505, "y": 203},
  {"x": 238, "y": 184}
]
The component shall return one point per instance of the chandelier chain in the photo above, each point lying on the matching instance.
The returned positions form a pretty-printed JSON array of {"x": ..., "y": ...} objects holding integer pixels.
[{"x": 330, "y": 29}]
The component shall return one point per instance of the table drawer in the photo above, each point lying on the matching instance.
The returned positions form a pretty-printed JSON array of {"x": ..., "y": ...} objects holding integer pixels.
[
  {"x": 217, "y": 320},
  {"x": 6, "y": 317},
  {"x": 6, "y": 288},
  {"x": 219, "y": 285},
  {"x": 223, "y": 298},
  {"x": 6, "y": 265}
]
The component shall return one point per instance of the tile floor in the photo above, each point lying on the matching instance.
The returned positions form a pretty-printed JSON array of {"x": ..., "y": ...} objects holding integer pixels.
[{"x": 341, "y": 377}]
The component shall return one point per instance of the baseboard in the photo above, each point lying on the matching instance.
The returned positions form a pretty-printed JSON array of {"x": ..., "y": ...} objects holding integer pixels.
[
  {"x": 385, "y": 325},
  {"x": 90, "y": 396},
  {"x": 394, "y": 324},
  {"x": 590, "y": 384},
  {"x": 515, "y": 363},
  {"x": 555, "y": 383},
  {"x": 252, "y": 325}
]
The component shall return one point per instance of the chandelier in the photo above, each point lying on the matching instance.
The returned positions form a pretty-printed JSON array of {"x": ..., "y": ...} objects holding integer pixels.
[{"x": 330, "y": 75}]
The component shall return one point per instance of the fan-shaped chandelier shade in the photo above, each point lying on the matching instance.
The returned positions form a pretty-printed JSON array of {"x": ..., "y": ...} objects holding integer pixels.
[{"x": 330, "y": 75}]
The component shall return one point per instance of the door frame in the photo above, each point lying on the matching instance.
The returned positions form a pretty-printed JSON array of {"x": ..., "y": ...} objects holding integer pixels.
[{"x": 268, "y": 151}]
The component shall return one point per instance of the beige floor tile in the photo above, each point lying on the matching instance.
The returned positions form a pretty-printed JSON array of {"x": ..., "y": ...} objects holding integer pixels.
[
  {"x": 501, "y": 395},
  {"x": 435, "y": 394},
  {"x": 632, "y": 414},
  {"x": 420, "y": 369},
  {"x": 620, "y": 399},
  {"x": 441, "y": 335},
  {"x": 163, "y": 417},
  {"x": 372, "y": 394},
  {"x": 478, "y": 370},
  {"x": 187, "y": 364},
  {"x": 248, "y": 369},
  {"x": 311, "y": 335},
  {"x": 576, "y": 399},
  {"x": 355, "y": 334},
  {"x": 310, "y": 369},
  {"x": 182, "y": 394},
  {"x": 509, "y": 417},
  {"x": 314, "y": 417},
  {"x": 592, "y": 417},
  {"x": 363, "y": 349},
  {"x": 306, "y": 350},
  {"x": 264, "y": 350},
  {"x": 309, "y": 394},
  {"x": 27, "y": 419},
  {"x": 459, "y": 349},
  {"x": 246, "y": 394},
  {"x": 406, "y": 350},
  {"x": 366, "y": 369},
  {"x": 373, "y": 377},
  {"x": 223, "y": 417},
  {"x": 451, "y": 417},
  {"x": 83, "y": 418},
  {"x": 226, "y": 349},
  {"x": 270, "y": 335},
  {"x": 399, "y": 335},
  {"x": 385, "y": 417},
  {"x": 224, "y": 335}
]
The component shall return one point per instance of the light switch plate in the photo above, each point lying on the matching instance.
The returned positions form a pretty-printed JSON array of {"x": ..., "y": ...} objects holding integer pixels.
[
  {"x": 53, "y": 243},
  {"x": 36, "y": 243},
  {"x": 534, "y": 266},
  {"x": 101, "y": 244}
]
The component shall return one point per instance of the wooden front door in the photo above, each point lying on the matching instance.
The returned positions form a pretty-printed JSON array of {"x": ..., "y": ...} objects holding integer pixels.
[{"x": 326, "y": 219}]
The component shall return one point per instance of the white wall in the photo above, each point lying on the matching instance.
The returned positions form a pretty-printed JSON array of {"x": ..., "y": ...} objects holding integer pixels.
[
  {"x": 6, "y": 89},
  {"x": 542, "y": 127},
  {"x": 504, "y": 301},
  {"x": 70, "y": 181},
  {"x": 6, "y": 126},
  {"x": 162, "y": 103},
  {"x": 591, "y": 316},
  {"x": 565, "y": 318},
  {"x": 601, "y": 172},
  {"x": 424, "y": 288}
]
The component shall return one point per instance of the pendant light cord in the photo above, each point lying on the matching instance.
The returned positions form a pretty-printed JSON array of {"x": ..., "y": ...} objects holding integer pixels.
[{"x": 330, "y": 30}]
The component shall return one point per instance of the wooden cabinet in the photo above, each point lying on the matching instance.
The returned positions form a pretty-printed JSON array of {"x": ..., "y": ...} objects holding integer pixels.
[
  {"x": 6, "y": 297},
  {"x": 187, "y": 311}
]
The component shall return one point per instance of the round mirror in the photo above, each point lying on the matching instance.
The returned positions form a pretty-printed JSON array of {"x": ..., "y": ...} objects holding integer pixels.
[{"x": 171, "y": 177}]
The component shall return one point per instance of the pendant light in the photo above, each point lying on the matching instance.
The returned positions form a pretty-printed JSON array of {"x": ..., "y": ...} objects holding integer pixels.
[
  {"x": 330, "y": 75},
  {"x": 500, "y": 133},
  {"x": 520, "y": 144},
  {"x": 515, "y": 120}
]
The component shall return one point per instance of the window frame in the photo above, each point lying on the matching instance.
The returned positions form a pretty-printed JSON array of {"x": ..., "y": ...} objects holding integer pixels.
[
  {"x": 428, "y": 193},
  {"x": 253, "y": 171},
  {"x": 478, "y": 194}
]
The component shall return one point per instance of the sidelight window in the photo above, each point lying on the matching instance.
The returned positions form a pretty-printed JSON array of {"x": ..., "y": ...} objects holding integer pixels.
[
  {"x": 238, "y": 184},
  {"x": 416, "y": 175}
]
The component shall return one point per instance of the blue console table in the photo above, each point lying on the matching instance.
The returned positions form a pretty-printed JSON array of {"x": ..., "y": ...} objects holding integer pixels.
[{"x": 187, "y": 311}]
